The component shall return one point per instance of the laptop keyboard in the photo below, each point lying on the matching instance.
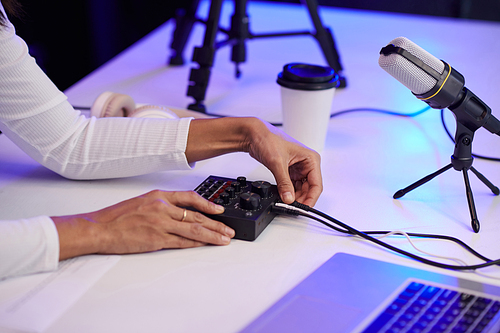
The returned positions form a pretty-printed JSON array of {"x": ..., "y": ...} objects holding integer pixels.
[{"x": 424, "y": 308}]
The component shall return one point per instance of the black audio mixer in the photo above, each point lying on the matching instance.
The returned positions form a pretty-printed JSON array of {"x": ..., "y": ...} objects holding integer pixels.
[{"x": 247, "y": 203}]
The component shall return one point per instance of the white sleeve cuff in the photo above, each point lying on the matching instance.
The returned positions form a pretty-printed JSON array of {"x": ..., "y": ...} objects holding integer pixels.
[{"x": 28, "y": 246}]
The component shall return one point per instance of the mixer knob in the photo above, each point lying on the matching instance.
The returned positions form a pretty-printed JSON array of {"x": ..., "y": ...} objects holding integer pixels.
[
  {"x": 225, "y": 197},
  {"x": 218, "y": 201},
  {"x": 237, "y": 186},
  {"x": 262, "y": 188},
  {"x": 249, "y": 201},
  {"x": 230, "y": 190},
  {"x": 242, "y": 181}
]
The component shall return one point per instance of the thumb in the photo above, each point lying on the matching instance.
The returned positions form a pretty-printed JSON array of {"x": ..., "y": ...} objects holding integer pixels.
[{"x": 285, "y": 187}]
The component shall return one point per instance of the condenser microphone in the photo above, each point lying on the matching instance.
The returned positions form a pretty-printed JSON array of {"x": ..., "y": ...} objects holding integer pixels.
[{"x": 436, "y": 83}]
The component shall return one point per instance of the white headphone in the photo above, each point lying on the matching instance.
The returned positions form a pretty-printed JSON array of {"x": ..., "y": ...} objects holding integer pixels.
[{"x": 110, "y": 104}]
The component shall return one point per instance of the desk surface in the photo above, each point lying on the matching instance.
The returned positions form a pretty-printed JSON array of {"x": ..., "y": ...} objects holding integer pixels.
[{"x": 368, "y": 156}]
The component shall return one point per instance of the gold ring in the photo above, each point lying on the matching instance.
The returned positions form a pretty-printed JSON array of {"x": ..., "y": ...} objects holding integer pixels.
[{"x": 184, "y": 215}]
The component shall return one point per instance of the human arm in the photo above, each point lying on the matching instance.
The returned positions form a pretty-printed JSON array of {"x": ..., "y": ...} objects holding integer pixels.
[
  {"x": 150, "y": 222},
  {"x": 37, "y": 117},
  {"x": 295, "y": 167}
]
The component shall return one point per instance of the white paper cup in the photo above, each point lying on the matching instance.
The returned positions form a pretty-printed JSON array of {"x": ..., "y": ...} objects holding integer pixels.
[{"x": 306, "y": 99}]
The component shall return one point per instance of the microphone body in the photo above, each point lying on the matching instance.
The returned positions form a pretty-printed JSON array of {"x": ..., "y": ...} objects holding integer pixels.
[{"x": 436, "y": 83}]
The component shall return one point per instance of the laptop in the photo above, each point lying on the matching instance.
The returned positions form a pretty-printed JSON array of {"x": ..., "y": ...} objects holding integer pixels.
[{"x": 349, "y": 293}]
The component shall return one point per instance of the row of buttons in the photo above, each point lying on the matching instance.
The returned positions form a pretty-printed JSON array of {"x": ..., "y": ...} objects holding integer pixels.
[
  {"x": 223, "y": 192},
  {"x": 218, "y": 189}
]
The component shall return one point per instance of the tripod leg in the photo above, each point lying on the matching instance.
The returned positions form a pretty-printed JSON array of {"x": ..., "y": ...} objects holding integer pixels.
[
  {"x": 183, "y": 25},
  {"x": 485, "y": 181},
  {"x": 470, "y": 200},
  {"x": 422, "y": 181},
  {"x": 239, "y": 33},
  {"x": 325, "y": 39},
  {"x": 204, "y": 56}
]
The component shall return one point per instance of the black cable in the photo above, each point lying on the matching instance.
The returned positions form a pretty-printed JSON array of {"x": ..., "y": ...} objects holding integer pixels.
[
  {"x": 410, "y": 115},
  {"x": 383, "y": 111},
  {"x": 350, "y": 230},
  {"x": 336, "y": 114},
  {"x": 392, "y": 113},
  {"x": 287, "y": 211},
  {"x": 283, "y": 210},
  {"x": 86, "y": 108}
]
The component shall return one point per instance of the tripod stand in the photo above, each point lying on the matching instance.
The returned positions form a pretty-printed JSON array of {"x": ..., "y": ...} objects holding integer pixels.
[
  {"x": 236, "y": 36},
  {"x": 461, "y": 160}
]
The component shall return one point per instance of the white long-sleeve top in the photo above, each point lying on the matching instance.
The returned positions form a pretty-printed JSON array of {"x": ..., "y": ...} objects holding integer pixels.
[{"x": 37, "y": 117}]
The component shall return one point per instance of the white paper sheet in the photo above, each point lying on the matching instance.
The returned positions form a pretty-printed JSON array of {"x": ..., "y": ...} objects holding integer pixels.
[{"x": 32, "y": 303}]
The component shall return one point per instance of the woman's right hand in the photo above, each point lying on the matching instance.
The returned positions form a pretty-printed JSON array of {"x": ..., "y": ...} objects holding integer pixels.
[
  {"x": 296, "y": 168},
  {"x": 150, "y": 222}
]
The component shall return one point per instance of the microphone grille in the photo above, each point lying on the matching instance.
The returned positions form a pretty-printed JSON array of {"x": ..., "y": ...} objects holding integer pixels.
[{"x": 409, "y": 74}]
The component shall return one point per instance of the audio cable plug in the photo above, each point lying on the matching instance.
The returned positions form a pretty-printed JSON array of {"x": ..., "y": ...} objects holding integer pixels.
[{"x": 284, "y": 210}]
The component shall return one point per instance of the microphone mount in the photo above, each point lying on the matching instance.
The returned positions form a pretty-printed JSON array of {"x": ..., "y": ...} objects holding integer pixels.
[{"x": 461, "y": 160}]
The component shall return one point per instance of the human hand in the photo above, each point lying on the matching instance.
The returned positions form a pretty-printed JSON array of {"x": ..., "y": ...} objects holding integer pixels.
[
  {"x": 295, "y": 167},
  {"x": 150, "y": 222}
]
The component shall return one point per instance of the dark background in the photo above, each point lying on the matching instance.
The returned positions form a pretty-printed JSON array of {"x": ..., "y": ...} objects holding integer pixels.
[{"x": 69, "y": 39}]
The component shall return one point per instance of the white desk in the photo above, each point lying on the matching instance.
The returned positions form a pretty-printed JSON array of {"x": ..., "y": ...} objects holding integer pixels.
[{"x": 368, "y": 157}]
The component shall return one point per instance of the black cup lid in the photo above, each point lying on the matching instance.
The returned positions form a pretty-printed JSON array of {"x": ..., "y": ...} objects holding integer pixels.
[{"x": 308, "y": 77}]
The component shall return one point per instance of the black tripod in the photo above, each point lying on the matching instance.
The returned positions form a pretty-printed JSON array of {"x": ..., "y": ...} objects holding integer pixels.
[
  {"x": 236, "y": 36},
  {"x": 461, "y": 160}
]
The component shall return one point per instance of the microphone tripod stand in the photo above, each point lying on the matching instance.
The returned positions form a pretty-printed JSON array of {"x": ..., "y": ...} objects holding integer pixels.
[{"x": 461, "y": 160}]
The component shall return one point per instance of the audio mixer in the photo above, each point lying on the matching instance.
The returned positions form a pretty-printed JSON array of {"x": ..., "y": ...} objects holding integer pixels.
[{"x": 248, "y": 204}]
